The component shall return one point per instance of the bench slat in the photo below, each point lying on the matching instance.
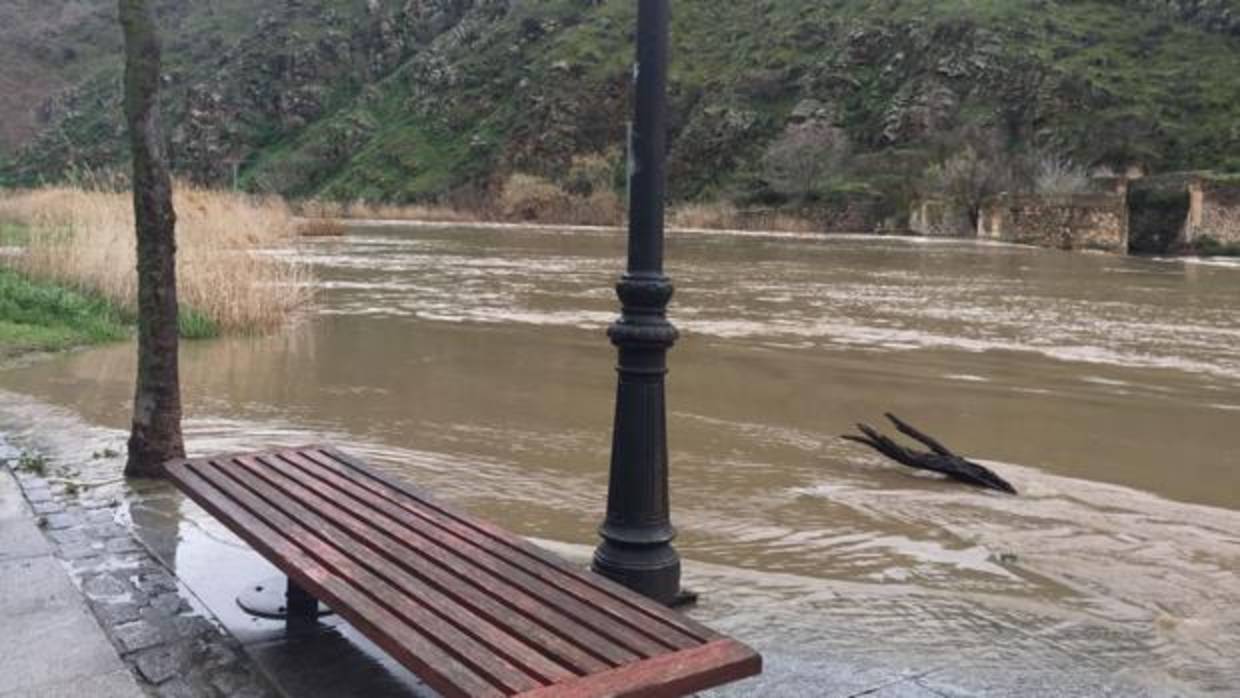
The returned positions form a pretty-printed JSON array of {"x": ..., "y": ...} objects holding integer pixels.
[
  {"x": 410, "y": 558},
  {"x": 412, "y": 647},
  {"x": 468, "y": 651},
  {"x": 474, "y": 610},
  {"x": 362, "y": 562},
  {"x": 593, "y": 650},
  {"x": 669, "y": 676},
  {"x": 599, "y": 592},
  {"x": 629, "y": 639}
]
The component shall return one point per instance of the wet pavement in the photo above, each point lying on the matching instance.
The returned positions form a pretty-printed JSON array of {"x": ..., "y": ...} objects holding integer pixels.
[
  {"x": 51, "y": 644},
  {"x": 88, "y": 611}
]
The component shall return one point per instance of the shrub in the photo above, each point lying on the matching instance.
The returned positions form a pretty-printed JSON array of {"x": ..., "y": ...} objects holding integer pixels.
[
  {"x": 85, "y": 240},
  {"x": 1055, "y": 174}
]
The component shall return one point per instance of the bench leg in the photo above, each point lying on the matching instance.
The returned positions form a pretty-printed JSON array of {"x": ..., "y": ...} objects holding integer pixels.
[
  {"x": 280, "y": 598},
  {"x": 299, "y": 602}
]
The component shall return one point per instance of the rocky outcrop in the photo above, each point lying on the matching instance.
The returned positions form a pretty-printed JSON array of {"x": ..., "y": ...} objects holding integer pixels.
[{"x": 411, "y": 99}]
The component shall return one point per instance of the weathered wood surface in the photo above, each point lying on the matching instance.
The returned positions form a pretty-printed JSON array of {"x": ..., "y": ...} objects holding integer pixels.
[
  {"x": 939, "y": 459},
  {"x": 472, "y": 609}
]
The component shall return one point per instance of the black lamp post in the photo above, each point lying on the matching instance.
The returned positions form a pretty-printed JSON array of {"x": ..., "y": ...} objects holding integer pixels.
[{"x": 637, "y": 533}]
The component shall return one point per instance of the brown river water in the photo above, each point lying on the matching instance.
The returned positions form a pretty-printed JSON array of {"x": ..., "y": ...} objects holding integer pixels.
[{"x": 474, "y": 363}]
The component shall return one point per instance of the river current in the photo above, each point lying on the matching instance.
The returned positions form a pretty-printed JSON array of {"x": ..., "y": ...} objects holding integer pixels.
[{"x": 474, "y": 363}]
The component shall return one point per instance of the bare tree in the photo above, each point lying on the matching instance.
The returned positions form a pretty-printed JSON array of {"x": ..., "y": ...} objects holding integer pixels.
[
  {"x": 797, "y": 162},
  {"x": 976, "y": 172},
  {"x": 156, "y": 433}
]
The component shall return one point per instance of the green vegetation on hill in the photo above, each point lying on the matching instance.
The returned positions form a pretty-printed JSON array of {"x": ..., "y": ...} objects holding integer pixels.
[{"x": 413, "y": 100}]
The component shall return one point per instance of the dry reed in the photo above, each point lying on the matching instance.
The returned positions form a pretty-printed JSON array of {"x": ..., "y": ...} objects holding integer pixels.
[
  {"x": 321, "y": 227},
  {"x": 85, "y": 239},
  {"x": 723, "y": 215}
]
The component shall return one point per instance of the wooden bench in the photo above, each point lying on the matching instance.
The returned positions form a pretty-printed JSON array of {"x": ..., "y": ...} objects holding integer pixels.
[{"x": 469, "y": 607}]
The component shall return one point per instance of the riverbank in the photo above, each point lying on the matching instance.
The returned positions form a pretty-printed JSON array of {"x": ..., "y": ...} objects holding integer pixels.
[
  {"x": 227, "y": 282},
  {"x": 559, "y": 209},
  {"x": 44, "y": 317}
]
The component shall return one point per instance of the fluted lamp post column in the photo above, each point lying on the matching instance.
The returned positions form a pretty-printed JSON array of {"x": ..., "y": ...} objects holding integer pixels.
[{"x": 637, "y": 533}]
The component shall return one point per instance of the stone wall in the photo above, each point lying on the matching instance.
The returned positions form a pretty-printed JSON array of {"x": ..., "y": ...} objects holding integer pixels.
[
  {"x": 1214, "y": 211},
  {"x": 939, "y": 218},
  {"x": 1069, "y": 222}
]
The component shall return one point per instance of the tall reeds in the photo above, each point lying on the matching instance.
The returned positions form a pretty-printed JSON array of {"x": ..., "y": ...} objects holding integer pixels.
[{"x": 85, "y": 240}]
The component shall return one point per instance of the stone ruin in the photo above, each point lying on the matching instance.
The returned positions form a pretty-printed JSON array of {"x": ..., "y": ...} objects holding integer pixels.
[{"x": 1174, "y": 213}]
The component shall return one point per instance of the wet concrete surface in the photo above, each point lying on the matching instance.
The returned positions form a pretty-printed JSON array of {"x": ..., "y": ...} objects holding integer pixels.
[
  {"x": 51, "y": 644},
  {"x": 89, "y": 612}
]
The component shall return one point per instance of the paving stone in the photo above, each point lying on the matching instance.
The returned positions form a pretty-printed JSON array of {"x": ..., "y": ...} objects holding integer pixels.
[
  {"x": 35, "y": 585},
  {"x": 159, "y": 664},
  {"x": 155, "y": 581},
  {"x": 36, "y": 492},
  {"x": 107, "y": 530},
  {"x": 138, "y": 635},
  {"x": 68, "y": 535},
  {"x": 88, "y": 565},
  {"x": 12, "y": 504},
  {"x": 122, "y": 545},
  {"x": 111, "y": 614},
  {"x": 193, "y": 626},
  {"x": 78, "y": 551},
  {"x": 1017, "y": 683},
  {"x": 68, "y": 519},
  {"x": 904, "y": 689},
  {"x": 114, "y": 684},
  {"x": 238, "y": 684},
  {"x": 100, "y": 516},
  {"x": 20, "y": 538},
  {"x": 51, "y": 506},
  {"x": 41, "y": 648},
  {"x": 179, "y": 688},
  {"x": 104, "y": 586},
  {"x": 217, "y": 655},
  {"x": 169, "y": 604}
]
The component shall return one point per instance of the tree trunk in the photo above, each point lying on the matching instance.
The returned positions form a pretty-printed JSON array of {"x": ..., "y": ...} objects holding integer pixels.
[{"x": 156, "y": 434}]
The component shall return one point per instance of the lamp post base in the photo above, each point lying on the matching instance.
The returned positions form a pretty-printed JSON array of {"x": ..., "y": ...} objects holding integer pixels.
[{"x": 652, "y": 571}]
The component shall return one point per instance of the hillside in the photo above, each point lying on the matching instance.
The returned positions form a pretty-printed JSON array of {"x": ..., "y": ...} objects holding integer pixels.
[{"x": 420, "y": 99}]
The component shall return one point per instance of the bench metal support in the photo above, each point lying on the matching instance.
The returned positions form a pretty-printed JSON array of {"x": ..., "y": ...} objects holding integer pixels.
[{"x": 280, "y": 598}]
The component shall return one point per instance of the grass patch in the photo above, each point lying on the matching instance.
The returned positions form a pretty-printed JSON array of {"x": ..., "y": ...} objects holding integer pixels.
[
  {"x": 192, "y": 324},
  {"x": 84, "y": 239},
  {"x": 13, "y": 234},
  {"x": 41, "y": 316},
  {"x": 38, "y": 316}
]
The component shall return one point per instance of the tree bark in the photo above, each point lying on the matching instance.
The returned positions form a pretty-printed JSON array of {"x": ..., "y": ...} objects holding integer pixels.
[{"x": 155, "y": 437}]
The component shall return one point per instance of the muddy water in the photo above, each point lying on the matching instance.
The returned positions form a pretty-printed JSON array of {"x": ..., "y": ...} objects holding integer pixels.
[{"x": 473, "y": 362}]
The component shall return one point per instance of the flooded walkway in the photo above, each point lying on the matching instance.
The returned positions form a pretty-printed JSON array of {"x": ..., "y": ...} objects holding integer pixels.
[{"x": 473, "y": 363}]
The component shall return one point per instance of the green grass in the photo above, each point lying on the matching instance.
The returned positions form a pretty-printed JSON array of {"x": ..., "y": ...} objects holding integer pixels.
[
  {"x": 192, "y": 324},
  {"x": 13, "y": 234},
  {"x": 38, "y": 316},
  {"x": 41, "y": 316}
]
